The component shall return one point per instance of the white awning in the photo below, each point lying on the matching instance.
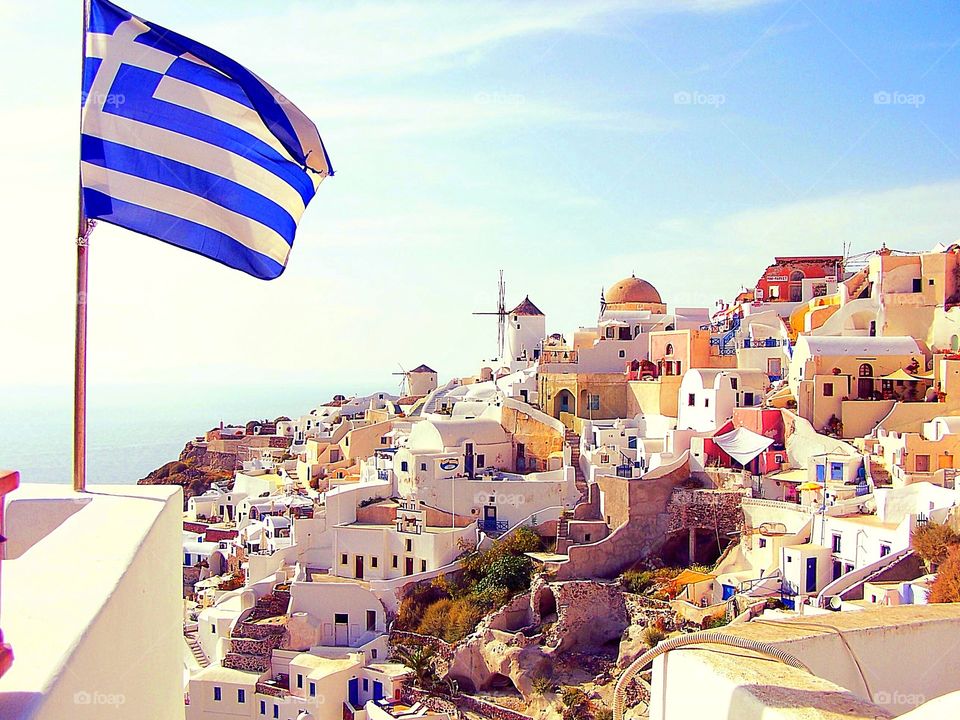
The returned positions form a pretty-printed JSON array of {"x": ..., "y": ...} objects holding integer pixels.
[{"x": 743, "y": 445}]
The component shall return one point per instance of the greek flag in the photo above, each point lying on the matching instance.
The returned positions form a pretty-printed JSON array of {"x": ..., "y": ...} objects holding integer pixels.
[{"x": 187, "y": 146}]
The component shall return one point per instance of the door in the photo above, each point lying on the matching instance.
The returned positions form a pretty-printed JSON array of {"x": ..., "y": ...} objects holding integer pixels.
[
  {"x": 468, "y": 459},
  {"x": 408, "y": 566},
  {"x": 359, "y": 567},
  {"x": 377, "y": 690},
  {"x": 490, "y": 517},
  {"x": 837, "y": 569},
  {"x": 354, "y": 692},
  {"x": 341, "y": 631},
  {"x": 923, "y": 463},
  {"x": 821, "y": 473},
  {"x": 811, "y": 579}
]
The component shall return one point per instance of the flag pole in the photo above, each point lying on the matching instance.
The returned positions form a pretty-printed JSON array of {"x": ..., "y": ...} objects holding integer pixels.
[{"x": 84, "y": 227}]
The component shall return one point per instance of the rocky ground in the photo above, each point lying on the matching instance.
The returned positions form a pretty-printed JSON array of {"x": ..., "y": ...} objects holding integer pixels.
[{"x": 189, "y": 473}]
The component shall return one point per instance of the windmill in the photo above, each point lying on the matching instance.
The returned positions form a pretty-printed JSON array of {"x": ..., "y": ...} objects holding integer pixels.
[
  {"x": 501, "y": 314},
  {"x": 403, "y": 380}
]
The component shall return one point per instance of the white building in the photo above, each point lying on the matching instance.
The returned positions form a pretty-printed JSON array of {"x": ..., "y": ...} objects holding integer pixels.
[{"x": 708, "y": 397}]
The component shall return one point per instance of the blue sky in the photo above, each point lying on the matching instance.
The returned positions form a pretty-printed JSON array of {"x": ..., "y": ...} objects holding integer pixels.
[{"x": 568, "y": 143}]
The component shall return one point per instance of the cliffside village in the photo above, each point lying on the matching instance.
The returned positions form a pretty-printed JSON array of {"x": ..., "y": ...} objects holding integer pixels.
[{"x": 658, "y": 472}]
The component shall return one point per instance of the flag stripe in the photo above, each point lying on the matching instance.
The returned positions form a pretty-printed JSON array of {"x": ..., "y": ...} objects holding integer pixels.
[
  {"x": 220, "y": 190},
  {"x": 206, "y": 77},
  {"x": 132, "y": 189},
  {"x": 163, "y": 142},
  {"x": 208, "y": 129},
  {"x": 218, "y": 107},
  {"x": 182, "y": 233}
]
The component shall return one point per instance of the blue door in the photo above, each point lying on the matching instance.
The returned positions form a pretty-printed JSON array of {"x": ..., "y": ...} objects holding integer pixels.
[
  {"x": 821, "y": 473},
  {"x": 377, "y": 690},
  {"x": 811, "y": 584},
  {"x": 354, "y": 691},
  {"x": 728, "y": 591}
]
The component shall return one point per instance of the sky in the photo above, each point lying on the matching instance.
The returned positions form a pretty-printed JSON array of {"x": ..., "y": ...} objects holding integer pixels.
[{"x": 568, "y": 143}]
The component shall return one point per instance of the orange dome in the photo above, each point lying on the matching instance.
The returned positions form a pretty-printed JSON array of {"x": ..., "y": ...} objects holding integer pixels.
[{"x": 633, "y": 290}]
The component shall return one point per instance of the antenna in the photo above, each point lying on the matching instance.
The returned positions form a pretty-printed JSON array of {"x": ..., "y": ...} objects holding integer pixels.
[{"x": 501, "y": 314}]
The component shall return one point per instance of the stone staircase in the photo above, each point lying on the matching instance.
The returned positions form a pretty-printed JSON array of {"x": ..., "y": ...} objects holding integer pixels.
[
  {"x": 252, "y": 642},
  {"x": 879, "y": 474},
  {"x": 573, "y": 440},
  {"x": 563, "y": 539},
  {"x": 194, "y": 644}
]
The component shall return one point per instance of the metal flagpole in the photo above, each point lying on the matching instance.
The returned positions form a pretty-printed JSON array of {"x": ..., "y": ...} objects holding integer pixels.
[{"x": 84, "y": 227}]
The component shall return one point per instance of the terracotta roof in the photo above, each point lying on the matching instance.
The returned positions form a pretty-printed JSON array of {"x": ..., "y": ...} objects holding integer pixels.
[
  {"x": 526, "y": 308},
  {"x": 424, "y": 369},
  {"x": 632, "y": 290}
]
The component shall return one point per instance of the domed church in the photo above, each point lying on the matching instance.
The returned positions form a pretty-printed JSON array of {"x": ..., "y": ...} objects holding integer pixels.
[{"x": 632, "y": 293}]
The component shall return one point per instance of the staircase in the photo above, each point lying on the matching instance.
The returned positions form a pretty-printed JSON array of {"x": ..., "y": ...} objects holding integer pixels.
[
  {"x": 879, "y": 474},
  {"x": 251, "y": 642},
  {"x": 563, "y": 526},
  {"x": 197, "y": 651},
  {"x": 432, "y": 402},
  {"x": 293, "y": 475},
  {"x": 573, "y": 440}
]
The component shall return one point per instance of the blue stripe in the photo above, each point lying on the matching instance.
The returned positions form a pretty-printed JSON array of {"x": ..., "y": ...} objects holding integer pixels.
[
  {"x": 215, "y": 188},
  {"x": 136, "y": 86},
  {"x": 182, "y": 233},
  {"x": 90, "y": 67},
  {"x": 105, "y": 17},
  {"x": 190, "y": 72}
]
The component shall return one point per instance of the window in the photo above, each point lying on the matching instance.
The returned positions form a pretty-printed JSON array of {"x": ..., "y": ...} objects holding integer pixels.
[
  {"x": 241, "y": 695},
  {"x": 828, "y": 389},
  {"x": 691, "y": 400},
  {"x": 300, "y": 680},
  {"x": 866, "y": 370},
  {"x": 343, "y": 558},
  {"x": 480, "y": 460},
  {"x": 884, "y": 549},
  {"x": 409, "y": 545},
  {"x": 313, "y": 689},
  {"x": 404, "y": 466},
  {"x": 623, "y": 354},
  {"x": 371, "y": 620},
  {"x": 930, "y": 282},
  {"x": 213, "y": 629},
  {"x": 586, "y": 537},
  {"x": 374, "y": 561},
  {"x": 217, "y": 694},
  {"x": 836, "y": 471},
  {"x": 918, "y": 285},
  {"x": 383, "y": 440},
  {"x": 836, "y": 542},
  {"x": 669, "y": 349},
  {"x": 762, "y": 543},
  {"x": 263, "y": 707},
  {"x": 276, "y": 710},
  {"x": 423, "y": 466},
  {"x": 373, "y": 653},
  {"x": 748, "y": 399},
  {"x": 366, "y": 685},
  {"x": 789, "y": 558},
  {"x": 340, "y": 618},
  {"x": 423, "y": 566},
  {"x": 706, "y": 402},
  {"x": 734, "y": 382},
  {"x": 774, "y": 292},
  {"x": 604, "y": 459},
  {"x": 396, "y": 561},
  {"x": 593, "y": 402}
]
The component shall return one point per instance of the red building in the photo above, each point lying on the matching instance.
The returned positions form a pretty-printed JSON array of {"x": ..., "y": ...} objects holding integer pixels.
[{"x": 783, "y": 281}]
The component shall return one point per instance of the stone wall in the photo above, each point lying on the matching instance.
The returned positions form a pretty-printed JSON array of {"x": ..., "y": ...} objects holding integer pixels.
[
  {"x": 459, "y": 703},
  {"x": 539, "y": 440},
  {"x": 706, "y": 510}
]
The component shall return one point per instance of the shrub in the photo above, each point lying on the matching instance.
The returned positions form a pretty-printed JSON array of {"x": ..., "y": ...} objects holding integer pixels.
[
  {"x": 573, "y": 697},
  {"x": 932, "y": 543},
  {"x": 434, "y": 620},
  {"x": 652, "y": 635},
  {"x": 451, "y": 620},
  {"x": 637, "y": 581},
  {"x": 541, "y": 685},
  {"x": 946, "y": 588},
  {"x": 414, "y": 605},
  {"x": 509, "y": 571}
]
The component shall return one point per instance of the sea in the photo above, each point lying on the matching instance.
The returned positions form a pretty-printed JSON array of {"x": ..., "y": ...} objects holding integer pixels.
[{"x": 133, "y": 429}]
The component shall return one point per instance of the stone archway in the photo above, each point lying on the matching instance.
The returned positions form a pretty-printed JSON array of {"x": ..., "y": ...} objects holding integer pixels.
[{"x": 564, "y": 402}]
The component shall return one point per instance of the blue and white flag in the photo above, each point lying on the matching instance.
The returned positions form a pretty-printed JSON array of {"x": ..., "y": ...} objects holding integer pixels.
[{"x": 187, "y": 146}]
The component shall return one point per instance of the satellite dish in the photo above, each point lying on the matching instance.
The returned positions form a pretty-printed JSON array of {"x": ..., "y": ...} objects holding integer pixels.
[{"x": 834, "y": 603}]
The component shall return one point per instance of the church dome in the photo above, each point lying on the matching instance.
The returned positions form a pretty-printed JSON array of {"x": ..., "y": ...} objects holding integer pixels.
[{"x": 633, "y": 290}]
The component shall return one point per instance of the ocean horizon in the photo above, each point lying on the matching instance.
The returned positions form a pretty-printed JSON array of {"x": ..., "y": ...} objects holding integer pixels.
[{"x": 132, "y": 430}]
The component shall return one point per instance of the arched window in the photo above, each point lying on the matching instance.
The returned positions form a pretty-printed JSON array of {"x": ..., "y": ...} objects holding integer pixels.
[
  {"x": 796, "y": 276},
  {"x": 866, "y": 370},
  {"x": 669, "y": 350}
]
